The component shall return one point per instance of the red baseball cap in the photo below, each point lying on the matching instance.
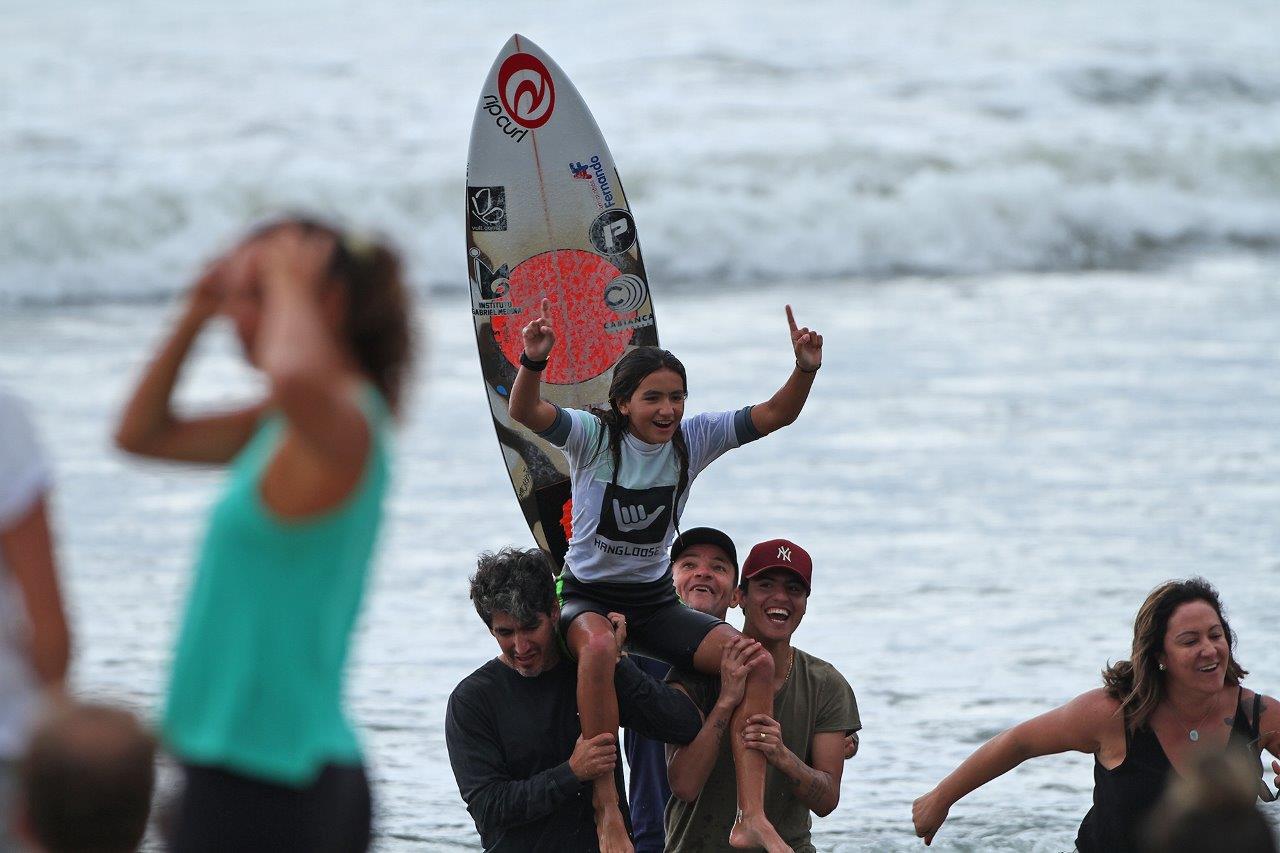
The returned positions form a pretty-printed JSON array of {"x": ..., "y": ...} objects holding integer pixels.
[{"x": 779, "y": 554}]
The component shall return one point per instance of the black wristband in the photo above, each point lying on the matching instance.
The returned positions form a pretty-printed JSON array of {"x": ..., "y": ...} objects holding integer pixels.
[
  {"x": 535, "y": 366},
  {"x": 802, "y": 370}
]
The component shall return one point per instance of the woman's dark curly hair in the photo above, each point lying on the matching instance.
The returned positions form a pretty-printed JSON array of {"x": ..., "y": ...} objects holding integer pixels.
[
  {"x": 379, "y": 327},
  {"x": 1138, "y": 683}
]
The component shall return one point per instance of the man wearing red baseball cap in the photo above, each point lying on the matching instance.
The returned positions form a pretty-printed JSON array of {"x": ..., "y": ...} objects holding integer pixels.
[{"x": 804, "y": 741}]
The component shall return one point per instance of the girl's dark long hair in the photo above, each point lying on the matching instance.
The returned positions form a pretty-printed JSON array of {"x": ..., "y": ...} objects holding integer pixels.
[
  {"x": 379, "y": 326},
  {"x": 1138, "y": 684},
  {"x": 630, "y": 371}
]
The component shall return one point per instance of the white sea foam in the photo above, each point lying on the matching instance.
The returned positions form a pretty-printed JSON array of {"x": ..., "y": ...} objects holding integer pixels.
[{"x": 810, "y": 144}]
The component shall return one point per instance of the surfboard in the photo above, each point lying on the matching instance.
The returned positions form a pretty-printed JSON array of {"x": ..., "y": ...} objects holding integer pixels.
[{"x": 547, "y": 216}]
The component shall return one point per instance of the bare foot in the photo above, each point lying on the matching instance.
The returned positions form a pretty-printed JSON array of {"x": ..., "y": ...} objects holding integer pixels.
[
  {"x": 756, "y": 831},
  {"x": 612, "y": 832}
]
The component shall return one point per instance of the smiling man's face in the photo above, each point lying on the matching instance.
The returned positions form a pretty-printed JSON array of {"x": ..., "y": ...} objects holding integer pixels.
[
  {"x": 705, "y": 579},
  {"x": 774, "y": 602}
]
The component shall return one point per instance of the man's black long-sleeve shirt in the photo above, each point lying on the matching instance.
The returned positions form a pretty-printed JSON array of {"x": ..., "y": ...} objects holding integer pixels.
[{"x": 510, "y": 738}]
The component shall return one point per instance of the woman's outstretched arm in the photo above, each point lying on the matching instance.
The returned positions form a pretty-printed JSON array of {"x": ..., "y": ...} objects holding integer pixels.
[
  {"x": 784, "y": 407},
  {"x": 1077, "y": 725}
]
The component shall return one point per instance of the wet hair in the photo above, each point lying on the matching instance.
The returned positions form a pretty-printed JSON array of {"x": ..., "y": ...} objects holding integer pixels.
[
  {"x": 86, "y": 780},
  {"x": 1137, "y": 684},
  {"x": 1210, "y": 810},
  {"x": 379, "y": 326},
  {"x": 628, "y": 373},
  {"x": 514, "y": 581}
]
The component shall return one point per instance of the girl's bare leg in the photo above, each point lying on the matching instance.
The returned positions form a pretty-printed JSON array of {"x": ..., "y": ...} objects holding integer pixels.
[
  {"x": 592, "y": 642},
  {"x": 752, "y": 828}
]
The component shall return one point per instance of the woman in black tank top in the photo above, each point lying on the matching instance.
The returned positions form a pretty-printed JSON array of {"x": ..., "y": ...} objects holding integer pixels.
[{"x": 1178, "y": 697}]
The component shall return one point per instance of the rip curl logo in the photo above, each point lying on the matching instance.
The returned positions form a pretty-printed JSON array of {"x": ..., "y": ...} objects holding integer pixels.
[
  {"x": 784, "y": 553},
  {"x": 526, "y": 90}
]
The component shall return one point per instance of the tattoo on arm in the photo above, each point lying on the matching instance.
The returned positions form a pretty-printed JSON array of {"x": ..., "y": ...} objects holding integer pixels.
[
  {"x": 812, "y": 785},
  {"x": 721, "y": 723},
  {"x": 720, "y": 715}
]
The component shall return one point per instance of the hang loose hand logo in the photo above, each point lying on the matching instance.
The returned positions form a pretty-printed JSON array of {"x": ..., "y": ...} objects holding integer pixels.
[{"x": 633, "y": 518}]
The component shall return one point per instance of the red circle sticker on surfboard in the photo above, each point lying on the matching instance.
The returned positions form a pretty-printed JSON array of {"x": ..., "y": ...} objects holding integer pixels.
[
  {"x": 584, "y": 290},
  {"x": 526, "y": 90}
]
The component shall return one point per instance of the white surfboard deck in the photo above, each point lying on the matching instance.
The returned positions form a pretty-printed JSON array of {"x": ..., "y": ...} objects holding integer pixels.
[{"x": 547, "y": 216}]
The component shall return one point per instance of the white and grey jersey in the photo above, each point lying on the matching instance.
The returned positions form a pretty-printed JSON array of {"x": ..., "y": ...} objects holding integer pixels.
[
  {"x": 24, "y": 479},
  {"x": 622, "y": 530}
]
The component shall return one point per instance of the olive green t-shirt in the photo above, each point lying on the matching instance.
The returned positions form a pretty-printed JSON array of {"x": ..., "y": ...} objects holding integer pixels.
[{"x": 815, "y": 698}]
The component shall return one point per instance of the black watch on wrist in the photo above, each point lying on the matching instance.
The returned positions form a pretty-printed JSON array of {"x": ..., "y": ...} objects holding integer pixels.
[{"x": 535, "y": 366}]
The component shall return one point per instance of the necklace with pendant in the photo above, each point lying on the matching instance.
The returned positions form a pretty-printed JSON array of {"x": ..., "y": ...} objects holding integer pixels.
[{"x": 1193, "y": 732}]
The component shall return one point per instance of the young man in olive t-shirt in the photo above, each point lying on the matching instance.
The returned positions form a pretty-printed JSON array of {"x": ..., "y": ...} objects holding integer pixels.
[{"x": 804, "y": 740}]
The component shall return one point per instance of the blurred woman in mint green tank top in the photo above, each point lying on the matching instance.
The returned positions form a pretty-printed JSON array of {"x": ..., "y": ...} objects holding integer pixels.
[{"x": 254, "y": 710}]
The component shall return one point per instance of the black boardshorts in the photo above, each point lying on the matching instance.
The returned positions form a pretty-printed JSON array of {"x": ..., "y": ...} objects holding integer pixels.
[
  {"x": 219, "y": 811},
  {"x": 659, "y": 625}
]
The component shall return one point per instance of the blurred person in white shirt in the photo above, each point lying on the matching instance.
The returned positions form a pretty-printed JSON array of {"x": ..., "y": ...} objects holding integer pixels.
[{"x": 35, "y": 645}]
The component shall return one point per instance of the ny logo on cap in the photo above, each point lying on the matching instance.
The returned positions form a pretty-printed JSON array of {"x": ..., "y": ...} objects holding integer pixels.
[{"x": 784, "y": 553}]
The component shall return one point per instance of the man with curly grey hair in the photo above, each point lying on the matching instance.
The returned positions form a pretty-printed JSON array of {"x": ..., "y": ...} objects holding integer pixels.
[{"x": 515, "y": 743}]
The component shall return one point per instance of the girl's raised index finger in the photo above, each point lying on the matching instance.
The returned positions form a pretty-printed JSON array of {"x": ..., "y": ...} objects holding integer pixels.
[
  {"x": 546, "y": 307},
  {"x": 791, "y": 319}
]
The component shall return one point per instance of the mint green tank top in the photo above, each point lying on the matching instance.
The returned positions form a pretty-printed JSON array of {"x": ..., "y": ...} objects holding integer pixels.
[{"x": 257, "y": 676}]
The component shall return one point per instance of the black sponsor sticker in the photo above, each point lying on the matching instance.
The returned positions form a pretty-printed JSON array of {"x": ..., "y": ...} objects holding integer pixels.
[
  {"x": 491, "y": 283},
  {"x": 487, "y": 208},
  {"x": 613, "y": 232},
  {"x": 625, "y": 293},
  {"x": 639, "y": 516}
]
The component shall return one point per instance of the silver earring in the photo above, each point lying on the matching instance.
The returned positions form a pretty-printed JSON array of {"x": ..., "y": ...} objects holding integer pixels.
[{"x": 1161, "y": 666}]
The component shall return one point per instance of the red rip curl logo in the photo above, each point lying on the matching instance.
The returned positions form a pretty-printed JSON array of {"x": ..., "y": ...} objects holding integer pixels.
[{"x": 527, "y": 93}]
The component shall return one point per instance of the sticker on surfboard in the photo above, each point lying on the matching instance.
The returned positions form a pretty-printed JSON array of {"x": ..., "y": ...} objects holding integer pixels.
[{"x": 547, "y": 216}]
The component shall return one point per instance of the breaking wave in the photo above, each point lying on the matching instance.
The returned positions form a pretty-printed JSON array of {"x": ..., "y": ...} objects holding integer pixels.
[{"x": 1018, "y": 148}]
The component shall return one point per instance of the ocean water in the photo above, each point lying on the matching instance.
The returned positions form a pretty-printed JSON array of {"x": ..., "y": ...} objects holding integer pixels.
[
  {"x": 1041, "y": 244},
  {"x": 757, "y": 141},
  {"x": 991, "y": 474}
]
